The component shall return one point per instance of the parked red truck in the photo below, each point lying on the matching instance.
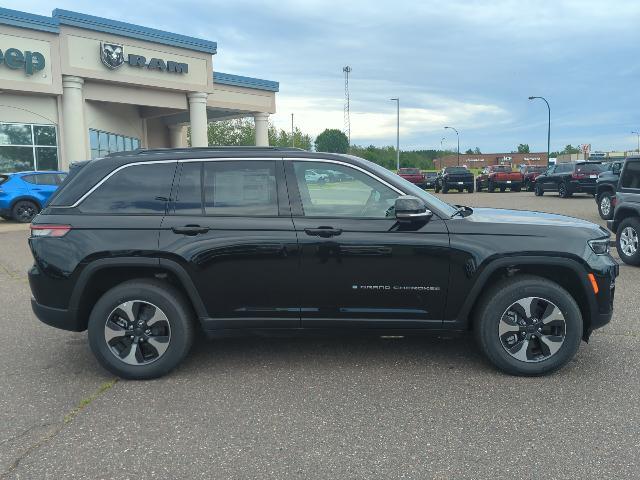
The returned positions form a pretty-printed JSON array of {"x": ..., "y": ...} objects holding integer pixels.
[
  {"x": 414, "y": 175},
  {"x": 530, "y": 173},
  {"x": 499, "y": 176}
]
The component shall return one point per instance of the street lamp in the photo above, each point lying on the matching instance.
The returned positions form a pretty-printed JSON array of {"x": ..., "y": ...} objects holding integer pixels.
[
  {"x": 457, "y": 135},
  {"x": 397, "y": 100},
  {"x": 638, "y": 134},
  {"x": 548, "y": 127}
]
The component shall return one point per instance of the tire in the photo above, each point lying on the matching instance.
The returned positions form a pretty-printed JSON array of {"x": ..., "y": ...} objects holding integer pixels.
[
  {"x": 148, "y": 297},
  {"x": 436, "y": 189},
  {"x": 540, "y": 357},
  {"x": 605, "y": 208},
  {"x": 627, "y": 241},
  {"x": 321, "y": 181},
  {"x": 502, "y": 189},
  {"x": 470, "y": 189},
  {"x": 491, "y": 187},
  {"x": 460, "y": 190},
  {"x": 445, "y": 188},
  {"x": 563, "y": 190},
  {"x": 528, "y": 186},
  {"x": 478, "y": 187},
  {"x": 538, "y": 190},
  {"x": 24, "y": 210}
]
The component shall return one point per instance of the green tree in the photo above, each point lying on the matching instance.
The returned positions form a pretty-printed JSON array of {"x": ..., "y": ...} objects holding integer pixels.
[
  {"x": 282, "y": 138},
  {"x": 523, "y": 148},
  {"x": 477, "y": 151},
  {"x": 236, "y": 132},
  {"x": 469, "y": 151},
  {"x": 332, "y": 140}
]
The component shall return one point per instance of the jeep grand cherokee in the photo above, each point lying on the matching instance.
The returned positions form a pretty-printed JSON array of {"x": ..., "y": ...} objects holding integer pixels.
[{"x": 145, "y": 248}]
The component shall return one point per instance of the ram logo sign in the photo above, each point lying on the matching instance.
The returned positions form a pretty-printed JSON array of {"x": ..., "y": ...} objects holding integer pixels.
[{"x": 112, "y": 55}]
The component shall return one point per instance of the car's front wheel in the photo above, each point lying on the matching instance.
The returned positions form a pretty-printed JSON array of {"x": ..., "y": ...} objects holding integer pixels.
[
  {"x": 141, "y": 329},
  {"x": 528, "y": 325},
  {"x": 627, "y": 241},
  {"x": 539, "y": 191},
  {"x": 605, "y": 206},
  {"x": 563, "y": 190},
  {"x": 24, "y": 211}
]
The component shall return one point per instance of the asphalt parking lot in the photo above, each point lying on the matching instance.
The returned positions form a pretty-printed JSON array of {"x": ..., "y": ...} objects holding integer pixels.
[{"x": 318, "y": 408}]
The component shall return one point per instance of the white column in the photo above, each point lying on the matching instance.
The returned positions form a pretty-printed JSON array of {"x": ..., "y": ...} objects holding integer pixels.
[
  {"x": 176, "y": 134},
  {"x": 262, "y": 129},
  {"x": 74, "y": 131},
  {"x": 198, "y": 119}
]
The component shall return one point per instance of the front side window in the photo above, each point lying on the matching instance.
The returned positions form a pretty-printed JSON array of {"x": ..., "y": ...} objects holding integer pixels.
[
  {"x": 138, "y": 189},
  {"x": 361, "y": 196},
  {"x": 243, "y": 188},
  {"x": 630, "y": 175},
  {"x": 26, "y": 146}
]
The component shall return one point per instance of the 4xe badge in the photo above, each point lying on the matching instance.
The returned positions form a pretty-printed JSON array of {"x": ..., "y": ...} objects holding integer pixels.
[{"x": 112, "y": 56}]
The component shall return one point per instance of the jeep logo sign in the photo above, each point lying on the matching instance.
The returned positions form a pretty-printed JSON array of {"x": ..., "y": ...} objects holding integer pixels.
[
  {"x": 112, "y": 55},
  {"x": 28, "y": 61}
]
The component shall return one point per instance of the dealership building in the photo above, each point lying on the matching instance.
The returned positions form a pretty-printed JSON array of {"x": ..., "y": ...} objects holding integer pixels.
[
  {"x": 76, "y": 86},
  {"x": 480, "y": 160}
]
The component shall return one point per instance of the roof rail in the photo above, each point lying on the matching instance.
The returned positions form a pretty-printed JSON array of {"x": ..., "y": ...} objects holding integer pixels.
[{"x": 146, "y": 151}]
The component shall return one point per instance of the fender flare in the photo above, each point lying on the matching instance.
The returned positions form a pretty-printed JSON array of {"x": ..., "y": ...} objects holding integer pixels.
[
  {"x": 515, "y": 261},
  {"x": 621, "y": 210},
  {"x": 91, "y": 269}
]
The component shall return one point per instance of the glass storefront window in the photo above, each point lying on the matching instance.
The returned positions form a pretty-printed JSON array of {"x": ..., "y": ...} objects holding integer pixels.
[
  {"x": 103, "y": 143},
  {"x": 25, "y": 146}
]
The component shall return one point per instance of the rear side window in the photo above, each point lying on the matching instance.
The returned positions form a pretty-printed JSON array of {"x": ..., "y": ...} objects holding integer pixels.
[
  {"x": 240, "y": 188},
  {"x": 49, "y": 178},
  {"x": 631, "y": 175},
  {"x": 189, "y": 193},
  {"x": 29, "y": 179},
  {"x": 589, "y": 168},
  {"x": 139, "y": 189}
]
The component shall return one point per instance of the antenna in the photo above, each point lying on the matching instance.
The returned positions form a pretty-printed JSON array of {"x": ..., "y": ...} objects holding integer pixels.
[{"x": 347, "y": 119}]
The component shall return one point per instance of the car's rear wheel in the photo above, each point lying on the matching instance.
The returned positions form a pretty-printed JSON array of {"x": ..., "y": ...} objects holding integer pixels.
[
  {"x": 539, "y": 191},
  {"x": 491, "y": 187},
  {"x": 528, "y": 325},
  {"x": 470, "y": 189},
  {"x": 563, "y": 190},
  {"x": 627, "y": 241},
  {"x": 528, "y": 186},
  {"x": 605, "y": 206},
  {"x": 24, "y": 211},
  {"x": 445, "y": 188},
  {"x": 141, "y": 329}
]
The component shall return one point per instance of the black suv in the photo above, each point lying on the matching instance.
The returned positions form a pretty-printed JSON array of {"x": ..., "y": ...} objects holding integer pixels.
[
  {"x": 145, "y": 248},
  {"x": 626, "y": 218},
  {"x": 449, "y": 178},
  {"x": 569, "y": 178},
  {"x": 606, "y": 185}
]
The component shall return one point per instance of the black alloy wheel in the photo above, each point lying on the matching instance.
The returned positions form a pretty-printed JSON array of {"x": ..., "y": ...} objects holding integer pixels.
[{"x": 24, "y": 211}]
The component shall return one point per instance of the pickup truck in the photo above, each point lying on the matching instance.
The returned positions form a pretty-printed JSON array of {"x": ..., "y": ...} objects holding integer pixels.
[
  {"x": 529, "y": 174},
  {"x": 413, "y": 175},
  {"x": 449, "y": 178},
  {"x": 499, "y": 176}
]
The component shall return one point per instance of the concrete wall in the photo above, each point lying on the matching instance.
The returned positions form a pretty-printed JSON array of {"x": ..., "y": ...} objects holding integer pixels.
[
  {"x": 28, "y": 108},
  {"x": 114, "y": 118}
]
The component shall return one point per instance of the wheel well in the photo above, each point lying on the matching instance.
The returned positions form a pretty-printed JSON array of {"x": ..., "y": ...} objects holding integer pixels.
[
  {"x": 623, "y": 214},
  {"x": 107, "y": 278},
  {"x": 604, "y": 188},
  {"x": 563, "y": 276}
]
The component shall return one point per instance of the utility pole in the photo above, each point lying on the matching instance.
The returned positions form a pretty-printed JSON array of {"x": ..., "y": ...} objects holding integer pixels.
[
  {"x": 293, "y": 138},
  {"x": 347, "y": 113},
  {"x": 638, "y": 135},
  {"x": 457, "y": 135},
  {"x": 397, "y": 100},
  {"x": 548, "y": 126}
]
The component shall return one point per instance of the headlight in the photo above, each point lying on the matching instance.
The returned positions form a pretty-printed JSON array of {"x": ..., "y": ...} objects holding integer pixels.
[{"x": 599, "y": 246}]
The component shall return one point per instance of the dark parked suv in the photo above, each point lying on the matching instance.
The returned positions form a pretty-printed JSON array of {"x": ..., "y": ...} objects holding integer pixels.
[
  {"x": 569, "y": 178},
  {"x": 606, "y": 185},
  {"x": 145, "y": 248},
  {"x": 626, "y": 217}
]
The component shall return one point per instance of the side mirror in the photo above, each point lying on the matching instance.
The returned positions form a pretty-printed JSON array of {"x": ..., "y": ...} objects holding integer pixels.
[{"x": 412, "y": 209}]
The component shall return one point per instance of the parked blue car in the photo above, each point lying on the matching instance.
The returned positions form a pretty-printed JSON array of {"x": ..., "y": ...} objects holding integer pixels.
[{"x": 24, "y": 194}]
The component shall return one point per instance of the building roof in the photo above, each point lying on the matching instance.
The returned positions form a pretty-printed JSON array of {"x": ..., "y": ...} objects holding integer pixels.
[{"x": 248, "y": 82}]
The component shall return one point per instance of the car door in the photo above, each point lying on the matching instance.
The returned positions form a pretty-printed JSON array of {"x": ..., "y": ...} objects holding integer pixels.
[
  {"x": 360, "y": 267},
  {"x": 229, "y": 226},
  {"x": 547, "y": 179}
]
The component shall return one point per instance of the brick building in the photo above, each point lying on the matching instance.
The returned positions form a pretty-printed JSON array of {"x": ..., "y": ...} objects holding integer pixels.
[{"x": 472, "y": 160}]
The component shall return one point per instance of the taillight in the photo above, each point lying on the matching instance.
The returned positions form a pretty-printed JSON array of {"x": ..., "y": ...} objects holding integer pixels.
[{"x": 49, "y": 230}]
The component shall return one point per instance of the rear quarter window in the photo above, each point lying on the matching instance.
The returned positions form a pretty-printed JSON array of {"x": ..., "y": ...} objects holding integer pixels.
[
  {"x": 133, "y": 190},
  {"x": 4, "y": 178},
  {"x": 630, "y": 177}
]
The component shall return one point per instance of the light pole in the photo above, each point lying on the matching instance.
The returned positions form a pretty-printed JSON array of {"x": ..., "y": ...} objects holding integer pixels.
[
  {"x": 293, "y": 138},
  {"x": 397, "y": 100},
  {"x": 638, "y": 134},
  {"x": 548, "y": 127},
  {"x": 457, "y": 135}
]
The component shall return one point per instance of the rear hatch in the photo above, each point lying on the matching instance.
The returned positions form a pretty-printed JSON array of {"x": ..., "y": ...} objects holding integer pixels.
[
  {"x": 459, "y": 175},
  {"x": 587, "y": 173}
]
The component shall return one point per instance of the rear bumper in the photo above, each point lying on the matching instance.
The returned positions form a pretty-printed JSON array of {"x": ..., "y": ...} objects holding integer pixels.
[
  {"x": 56, "y": 317},
  {"x": 577, "y": 187}
]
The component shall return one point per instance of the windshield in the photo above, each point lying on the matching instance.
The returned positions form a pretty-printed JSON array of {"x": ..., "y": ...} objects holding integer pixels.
[
  {"x": 409, "y": 187},
  {"x": 590, "y": 168}
]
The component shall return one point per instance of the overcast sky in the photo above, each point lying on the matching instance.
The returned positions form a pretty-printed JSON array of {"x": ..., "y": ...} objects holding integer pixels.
[{"x": 469, "y": 64}]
